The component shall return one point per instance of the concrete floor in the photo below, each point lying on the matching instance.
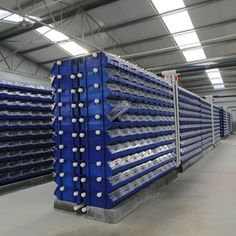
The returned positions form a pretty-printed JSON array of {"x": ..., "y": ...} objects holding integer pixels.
[{"x": 202, "y": 201}]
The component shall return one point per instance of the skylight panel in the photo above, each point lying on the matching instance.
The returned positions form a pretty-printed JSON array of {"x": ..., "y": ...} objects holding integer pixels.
[
  {"x": 178, "y": 22},
  {"x": 43, "y": 29},
  {"x": 55, "y": 36},
  {"x": 4, "y": 13},
  {"x": 73, "y": 48},
  {"x": 52, "y": 34},
  {"x": 187, "y": 40},
  {"x": 217, "y": 81},
  {"x": 194, "y": 54},
  {"x": 14, "y": 18},
  {"x": 218, "y": 86},
  {"x": 163, "y": 6},
  {"x": 213, "y": 73}
]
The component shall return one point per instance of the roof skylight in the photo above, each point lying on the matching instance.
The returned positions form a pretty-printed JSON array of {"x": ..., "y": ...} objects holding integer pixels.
[
  {"x": 178, "y": 22},
  {"x": 52, "y": 34},
  {"x": 187, "y": 40},
  {"x": 73, "y": 48},
  {"x": 4, "y": 13},
  {"x": 217, "y": 81},
  {"x": 218, "y": 86},
  {"x": 194, "y": 54},
  {"x": 167, "y": 5}
]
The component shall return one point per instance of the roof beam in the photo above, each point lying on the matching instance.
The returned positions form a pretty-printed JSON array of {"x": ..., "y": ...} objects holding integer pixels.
[
  {"x": 46, "y": 19},
  {"x": 141, "y": 20}
]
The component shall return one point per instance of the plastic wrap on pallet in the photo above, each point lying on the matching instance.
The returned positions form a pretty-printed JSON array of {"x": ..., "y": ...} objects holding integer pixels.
[
  {"x": 26, "y": 139},
  {"x": 114, "y": 126}
]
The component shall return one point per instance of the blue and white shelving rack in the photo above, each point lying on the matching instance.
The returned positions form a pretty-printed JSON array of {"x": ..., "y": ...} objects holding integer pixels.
[
  {"x": 190, "y": 123},
  {"x": 216, "y": 118},
  {"x": 114, "y": 130},
  {"x": 207, "y": 126},
  {"x": 225, "y": 122},
  {"x": 26, "y": 140}
]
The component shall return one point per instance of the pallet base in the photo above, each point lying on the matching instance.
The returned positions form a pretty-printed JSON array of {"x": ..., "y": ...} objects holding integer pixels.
[
  {"x": 190, "y": 162},
  {"x": 9, "y": 188},
  {"x": 68, "y": 206},
  {"x": 117, "y": 213}
]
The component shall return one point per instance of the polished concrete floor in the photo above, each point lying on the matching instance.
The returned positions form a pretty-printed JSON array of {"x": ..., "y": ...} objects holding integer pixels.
[{"x": 202, "y": 201}]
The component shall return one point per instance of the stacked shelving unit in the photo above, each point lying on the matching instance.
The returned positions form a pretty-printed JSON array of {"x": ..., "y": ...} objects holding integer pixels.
[
  {"x": 223, "y": 123},
  {"x": 216, "y": 112},
  {"x": 206, "y": 124},
  {"x": 115, "y": 130},
  {"x": 230, "y": 122},
  {"x": 26, "y": 139},
  {"x": 190, "y": 126}
]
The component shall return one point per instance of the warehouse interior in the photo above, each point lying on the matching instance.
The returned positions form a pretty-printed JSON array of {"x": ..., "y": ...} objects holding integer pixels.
[{"x": 193, "y": 41}]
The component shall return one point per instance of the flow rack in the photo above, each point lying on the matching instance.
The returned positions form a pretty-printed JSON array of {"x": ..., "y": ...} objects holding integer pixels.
[
  {"x": 216, "y": 112},
  {"x": 224, "y": 123},
  {"x": 230, "y": 122},
  {"x": 206, "y": 124},
  {"x": 197, "y": 122},
  {"x": 190, "y": 120},
  {"x": 114, "y": 130},
  {"x": 26, "y": 139}
]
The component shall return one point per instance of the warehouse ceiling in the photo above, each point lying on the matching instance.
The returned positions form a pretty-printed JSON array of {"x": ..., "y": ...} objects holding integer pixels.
[{"x": 133, "y": 29}]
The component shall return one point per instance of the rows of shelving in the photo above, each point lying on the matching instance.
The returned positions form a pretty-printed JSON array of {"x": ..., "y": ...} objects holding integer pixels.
[
  {"x": 26, "y": 139},
  {"x": 115, "y": 129}
]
